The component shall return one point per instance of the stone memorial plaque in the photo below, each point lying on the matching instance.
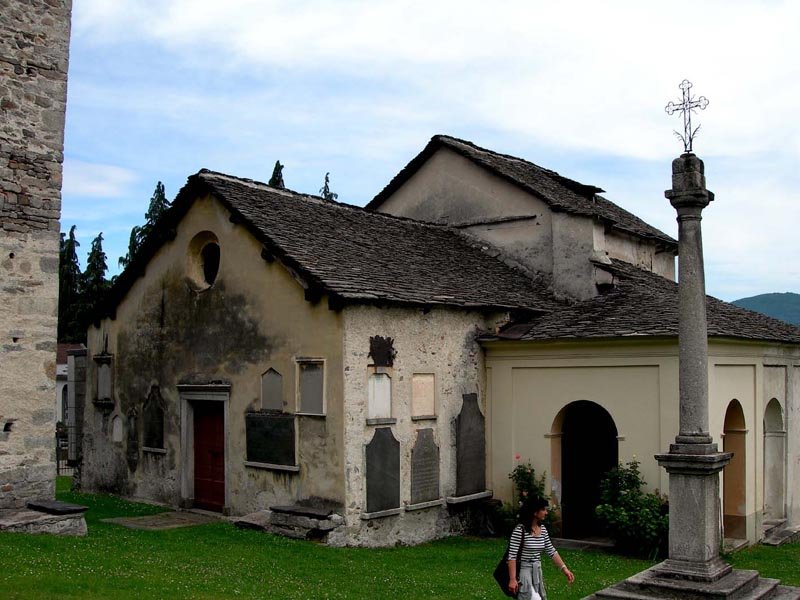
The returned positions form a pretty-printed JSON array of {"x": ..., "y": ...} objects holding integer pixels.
[
  {"x": 424, "y": 468},
  {"x": 270, "y": 438},
  {"x": 132, "y": 452},
  {"x": 383, "y": 471},
  {"x": 470, "y": 448},
  {"x": 272, "y": 390}
]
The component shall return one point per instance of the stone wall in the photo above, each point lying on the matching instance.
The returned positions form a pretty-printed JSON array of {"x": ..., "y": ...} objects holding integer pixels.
[
  {"x": 440, "y": 342},
  {"x": 34, "y": 48}
]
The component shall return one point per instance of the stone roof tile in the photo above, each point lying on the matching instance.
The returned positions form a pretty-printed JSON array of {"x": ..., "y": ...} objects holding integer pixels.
[{"x": 646, "y": 304}]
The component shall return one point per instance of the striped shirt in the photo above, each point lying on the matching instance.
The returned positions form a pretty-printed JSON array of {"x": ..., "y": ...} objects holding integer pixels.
[{"x": 533, "y": 547}]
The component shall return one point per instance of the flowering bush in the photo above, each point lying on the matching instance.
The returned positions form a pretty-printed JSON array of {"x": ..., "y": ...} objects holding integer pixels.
[
  {"x": 527, "y": 485},
  {"x": 638, "y": 521}
]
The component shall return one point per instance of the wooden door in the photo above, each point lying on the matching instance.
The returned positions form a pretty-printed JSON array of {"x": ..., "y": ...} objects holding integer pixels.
[{"x": 209, "y": 456}]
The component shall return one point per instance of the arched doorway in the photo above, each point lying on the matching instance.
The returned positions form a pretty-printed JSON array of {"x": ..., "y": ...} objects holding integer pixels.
[
  {"x": 774, "y": 461},
  {"x": 734, "y": 489},
  {"x": 589, "y": 449}
]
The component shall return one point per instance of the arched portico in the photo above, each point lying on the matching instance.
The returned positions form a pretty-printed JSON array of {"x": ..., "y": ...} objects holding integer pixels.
[
  {"x": 584, "y": 448},
  {"x": 734, "y": 494},
  {"x": 774, "y": 461}
]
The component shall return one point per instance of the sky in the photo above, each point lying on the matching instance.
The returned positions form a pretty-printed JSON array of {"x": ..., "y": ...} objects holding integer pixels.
[{"x": 159, "y": 90}]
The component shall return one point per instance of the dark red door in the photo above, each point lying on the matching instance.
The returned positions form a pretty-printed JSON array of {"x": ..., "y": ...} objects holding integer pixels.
[{"x": 209, "y": 456}]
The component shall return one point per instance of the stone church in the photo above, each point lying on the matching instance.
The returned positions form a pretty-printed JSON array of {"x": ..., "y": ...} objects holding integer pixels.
[{"x": 365, "y": 375}]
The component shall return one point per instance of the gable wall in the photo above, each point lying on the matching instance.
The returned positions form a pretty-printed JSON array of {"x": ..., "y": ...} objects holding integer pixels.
[
  {"x": 451, "y": 189},
  {"x": 253, "y": 318}
]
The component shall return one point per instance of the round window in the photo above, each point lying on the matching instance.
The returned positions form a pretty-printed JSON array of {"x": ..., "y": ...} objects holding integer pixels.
[
  {"x": 203, "y": 258},
  {"x": 210, "y": 257}
]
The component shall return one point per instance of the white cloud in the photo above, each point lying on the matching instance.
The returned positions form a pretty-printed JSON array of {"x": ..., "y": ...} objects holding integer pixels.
[
  {"x": 96, "y": 180},
  {"x": 357, "y": 87}
]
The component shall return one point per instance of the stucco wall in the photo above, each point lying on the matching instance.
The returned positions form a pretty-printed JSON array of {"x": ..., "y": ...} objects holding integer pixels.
[
  {"x": 439, "y": 341},
  {"x": 34, "y": 49},
  {"x": 450, "y": 189},
  {"x": 253, "y": 318},
  {"x": 640, "y": 252},
  {"x": 637, "y": 383}
]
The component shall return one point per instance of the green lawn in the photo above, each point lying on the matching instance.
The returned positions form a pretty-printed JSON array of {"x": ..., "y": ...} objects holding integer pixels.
[{"x": 220, "y": 561}]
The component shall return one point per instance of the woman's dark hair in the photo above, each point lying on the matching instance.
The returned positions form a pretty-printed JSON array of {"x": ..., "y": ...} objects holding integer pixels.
[{"x": 529, "y": 509}]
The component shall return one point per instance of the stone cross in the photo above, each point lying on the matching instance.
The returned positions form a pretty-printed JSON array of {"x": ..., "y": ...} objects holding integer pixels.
[{"x": 686, "y": 106}]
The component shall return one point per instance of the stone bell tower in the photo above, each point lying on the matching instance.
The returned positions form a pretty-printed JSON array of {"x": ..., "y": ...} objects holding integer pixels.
[{"x": 34, "y": 50}]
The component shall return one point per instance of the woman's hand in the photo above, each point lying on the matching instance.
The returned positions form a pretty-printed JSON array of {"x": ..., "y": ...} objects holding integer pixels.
[
  {"x": 513, "y": 585},
  {"x": 568, "y": 574}
]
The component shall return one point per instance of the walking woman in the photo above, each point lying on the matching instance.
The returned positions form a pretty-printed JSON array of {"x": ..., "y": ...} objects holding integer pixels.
[{"x": 532, "y": 534}]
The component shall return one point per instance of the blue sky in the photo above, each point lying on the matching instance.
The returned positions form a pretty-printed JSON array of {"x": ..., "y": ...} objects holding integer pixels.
[{"x": 158, "y": 90}]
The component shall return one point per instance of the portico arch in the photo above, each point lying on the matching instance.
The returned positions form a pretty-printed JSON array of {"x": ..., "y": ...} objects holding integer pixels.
[
  {"x": 584, "y": 448},
  {"x": 774, "y": 461},
  {"x": 734, "y": 485}
]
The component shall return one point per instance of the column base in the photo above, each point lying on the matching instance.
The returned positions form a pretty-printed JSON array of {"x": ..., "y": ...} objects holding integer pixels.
[{"x": 692, "y": 570}]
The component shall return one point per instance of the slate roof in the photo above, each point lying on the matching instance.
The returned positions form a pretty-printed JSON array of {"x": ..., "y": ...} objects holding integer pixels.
[
  {"x": 645, "y": 304},
  {"x": 558, "y": 192},
  {"x": 355, "y": 255}
]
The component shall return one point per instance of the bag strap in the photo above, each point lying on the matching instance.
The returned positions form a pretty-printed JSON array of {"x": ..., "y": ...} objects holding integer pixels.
[{"x": 521, "y": 545}]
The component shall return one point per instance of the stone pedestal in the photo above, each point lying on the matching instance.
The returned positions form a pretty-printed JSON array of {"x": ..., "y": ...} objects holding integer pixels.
[{"x": 694, "y": 568}]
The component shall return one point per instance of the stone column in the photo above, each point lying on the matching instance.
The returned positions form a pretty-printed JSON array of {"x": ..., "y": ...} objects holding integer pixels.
[{"x": 693, "y": 462}]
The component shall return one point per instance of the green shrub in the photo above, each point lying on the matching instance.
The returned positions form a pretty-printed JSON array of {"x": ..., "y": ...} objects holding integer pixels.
[
  {"x": 638, "y": 521},
  {"x": 526, "y": 486}
]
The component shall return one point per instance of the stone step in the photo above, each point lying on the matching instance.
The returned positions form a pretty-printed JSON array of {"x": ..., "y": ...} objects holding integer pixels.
[
  {"x": 294, "y": 524},
  {"x": 784, "y": 592},
  {"x": 764, "y": 589},
  {"x": 782, "y": 536},
  {"x": 770, "y": 526},
  {"x": 734, "y": 545}
]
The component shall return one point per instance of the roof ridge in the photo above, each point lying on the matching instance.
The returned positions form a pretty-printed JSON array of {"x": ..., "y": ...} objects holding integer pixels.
[
  {"x": 550, "y": 172},
  {"x": 312, "y": 197}
]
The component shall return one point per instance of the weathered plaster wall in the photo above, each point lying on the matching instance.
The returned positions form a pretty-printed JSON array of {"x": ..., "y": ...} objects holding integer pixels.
[
  {"x": 637, "y": 383},
  {"x": 34, "y": 50},
  {"x": 573, "y": 248},
  {"x": 640, "y": 252},
  {"x": 450, "y": 189},
  {"x": 253, "y": 318},
  {"x": 439, "y": 341}
]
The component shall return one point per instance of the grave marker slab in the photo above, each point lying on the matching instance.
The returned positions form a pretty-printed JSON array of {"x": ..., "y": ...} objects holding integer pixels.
[
  {"x": 470, "y": 448},
  {"x": 424, "y": 468},
  {"x": 270, "y": 438},
  {"x": 383, "y": 471}
]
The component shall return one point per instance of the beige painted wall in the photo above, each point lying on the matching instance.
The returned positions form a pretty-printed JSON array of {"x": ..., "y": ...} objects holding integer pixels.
[
  {"x": 637, "y": 383},
  {"x": 253, "y": 318},
  {"x": 440, "y": 341}
]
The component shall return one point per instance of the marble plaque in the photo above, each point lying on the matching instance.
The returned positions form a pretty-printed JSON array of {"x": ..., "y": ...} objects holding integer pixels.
[
  {"x": 470, "y": 448},
  {"x": 424, "y": 468},
  {"x": 383, "y": 471},
  {"x": 272, "y": 390},
  {"x": 270, "y": 438}
]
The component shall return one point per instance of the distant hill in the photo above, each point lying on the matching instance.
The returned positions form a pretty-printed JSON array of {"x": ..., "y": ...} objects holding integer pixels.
[{"x": 785, "y": 306}]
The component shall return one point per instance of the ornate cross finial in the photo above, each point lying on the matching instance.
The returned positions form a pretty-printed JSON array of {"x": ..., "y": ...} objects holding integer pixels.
[{"x": 686, "y": 106}]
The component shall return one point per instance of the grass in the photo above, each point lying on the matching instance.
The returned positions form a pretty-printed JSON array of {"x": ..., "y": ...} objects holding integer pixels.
[{"x": 220, "y": 561}]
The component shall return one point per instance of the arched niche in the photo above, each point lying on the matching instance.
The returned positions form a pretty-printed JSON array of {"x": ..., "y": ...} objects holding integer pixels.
[
  {"x": 774, "y": 476},
  {"x": 734, "y": 493},
  {"x": 584, "y": 447}
]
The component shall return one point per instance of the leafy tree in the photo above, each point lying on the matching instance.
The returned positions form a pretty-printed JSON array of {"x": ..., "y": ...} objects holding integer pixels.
[
  {"x": 277, "y": 176},
  {"x": 133, "y": 246},
  {"x": 69, "y": 289},
  {"x": 157, "y": 207},
  {"x": 94, "y": 280},
  {"x": 325, "y": 190}
]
